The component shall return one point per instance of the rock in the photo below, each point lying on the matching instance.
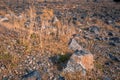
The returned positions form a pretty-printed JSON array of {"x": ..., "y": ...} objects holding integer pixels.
[
  {"x": 114, "y": 58},
  {"x": 117, "y": 26},
  {"x": 94, "y": 29},
  {"x": 110, "y": 22},
  {"x": 112, "y": 43},
  {"x": 5, "y": 78},
  {"x": 33, "y": 75},
  {"x": 98, "y": 38},
  {"x": 107, "y": 63},
  {"x": 27, "y": 24},
  {"x": 88, "y": 36},
  {"x": 81, "y": 60},
  {"x": 61, "y": 78},
  {"x": 74, "y": 45},
  {"x": 2, "y": 67},
  {"x": 105, "y": 38},
  {"x": 74, "y": 18},
  {"x": 83, "y": 15},
  {"x": 106, "y": 78},
  {"x": 115, "y": 39},
  {"x": 55, "y": 19},
  {"x": 3, "y": 19},
  {"x": 110, "y": 34},
  {"x": 37, "y": 19}
]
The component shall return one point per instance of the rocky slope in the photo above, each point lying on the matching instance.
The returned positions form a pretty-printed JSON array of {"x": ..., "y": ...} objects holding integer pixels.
[{"x": 59, "y": 40}]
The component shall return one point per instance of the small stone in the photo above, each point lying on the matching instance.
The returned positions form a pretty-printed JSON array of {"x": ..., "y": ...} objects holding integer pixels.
[
  {"x": 110, "y": 22},
  {"x": 106, "y": 78},
  {"x": 61, "y": 78},
  {"x": 98, "y": 38},
  {"x": 74, "y": 45},
  {"x": 114, "y": 58},
  {"x": 3, "y": 19},
  {"x": 107, "y": 63},
  {"x": 110, "y": 34},
  {"x": 33, "y": 75},
  {"x": 112, "y": 43},
  {"x": 83, "y": 15},
  {"x": 55, "y": 20},
  {"x": 94, "y": 29},
  {"x": 5, "y": 78},
  {"x": 117, "y": 26},
  {"x": 3, "y": 67},
  {"x": 115, "y": 39},
  {"x": 27, "y": 24}
]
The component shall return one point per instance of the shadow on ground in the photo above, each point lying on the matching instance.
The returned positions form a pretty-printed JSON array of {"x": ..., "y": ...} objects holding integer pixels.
[{"x": 60, "y": 60}]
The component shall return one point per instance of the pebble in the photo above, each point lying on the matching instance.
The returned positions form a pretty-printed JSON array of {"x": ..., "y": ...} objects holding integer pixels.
[
  {"x": 94, "y": 29},
  {"x": 114, "y": 58},
  {"x": 110, "y": 34},
  {"x": 73, "y": 45},
  {"x": 115, "y": 39},
  {"x": 33, "y": 75}
]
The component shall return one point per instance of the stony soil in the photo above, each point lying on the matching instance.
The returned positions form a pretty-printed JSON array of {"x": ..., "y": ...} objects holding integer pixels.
[{"x": 30, "y": 41}]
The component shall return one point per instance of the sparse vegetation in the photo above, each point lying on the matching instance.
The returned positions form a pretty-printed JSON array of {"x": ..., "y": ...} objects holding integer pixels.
[{"x": 33, "y": 31}]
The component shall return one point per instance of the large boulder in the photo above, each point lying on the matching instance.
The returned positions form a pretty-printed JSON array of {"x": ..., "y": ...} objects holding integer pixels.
[{"x": 81, "y": 60}]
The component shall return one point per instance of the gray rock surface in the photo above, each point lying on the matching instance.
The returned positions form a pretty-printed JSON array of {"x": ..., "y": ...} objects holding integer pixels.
[
  {"x": 33, "y": 75},
  {"x": 73, "y": 45},
  {"x": 81, "y": 60}
]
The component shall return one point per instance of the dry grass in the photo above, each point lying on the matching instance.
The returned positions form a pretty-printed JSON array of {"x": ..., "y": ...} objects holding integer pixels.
[
  {"x": 56, "y": 35},
  {"x": 52, "y": 36}
]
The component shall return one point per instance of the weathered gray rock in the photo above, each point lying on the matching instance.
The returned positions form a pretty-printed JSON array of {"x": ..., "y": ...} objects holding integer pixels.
[
  {"x": 73, "y": 45},
  {"x": 114, "y": 58},
  {"x": 27, "y": 23},
  {"x": 81, "y": 60},
  {"x": 106, "y": 78},
  {"x": 94, "y": 29},
  {"x": 33, "y": 75},
  {"x": 3, "y": 19},
  {"x": 117, "y": 26},
  {"x": 55, "y": 19},
  {"x": 115, "y": 39}
]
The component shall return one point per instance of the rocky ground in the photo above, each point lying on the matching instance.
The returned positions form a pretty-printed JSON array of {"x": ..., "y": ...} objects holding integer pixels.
[{"x": 59, "y": 40}]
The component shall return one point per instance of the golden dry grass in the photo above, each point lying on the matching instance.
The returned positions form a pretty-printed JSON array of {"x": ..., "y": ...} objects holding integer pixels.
[{"x": 53, "y": 37}]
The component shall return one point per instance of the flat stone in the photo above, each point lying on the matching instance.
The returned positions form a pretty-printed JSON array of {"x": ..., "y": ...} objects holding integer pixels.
[
  {"x": 3, "y": 19},
  {"x": 33, "y": 75}
]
